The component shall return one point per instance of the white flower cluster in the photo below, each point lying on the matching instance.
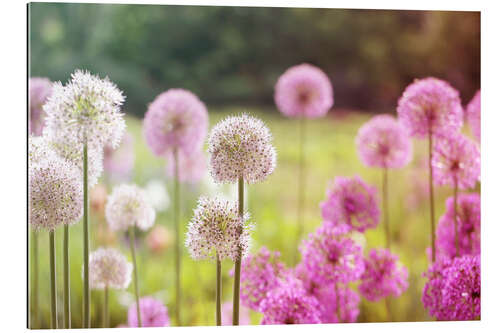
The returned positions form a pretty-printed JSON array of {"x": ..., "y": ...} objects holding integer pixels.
[{"x": 109, "y": 268}]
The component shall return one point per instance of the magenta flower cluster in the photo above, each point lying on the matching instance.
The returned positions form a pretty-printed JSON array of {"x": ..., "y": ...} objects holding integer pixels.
[
  {"x": 153, "y": 313},
  {"x": 40, "y": 89},
  {"x": 473, "y": 112}
]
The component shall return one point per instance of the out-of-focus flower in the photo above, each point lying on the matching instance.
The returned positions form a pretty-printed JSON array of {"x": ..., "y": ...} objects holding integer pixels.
[
  {"x": 128, "y": 206},
  {"x": 191, "y": 166},
  {"x": 430, "y": 106},
  {"x": 474, "y": 115},
  {"x": 109, "y": 268},
  {"x": 241, "y": 147},
  {"x": 159, "y": 239},
  {"x": 119, "y": 162},
  {"x": 153, "y": 313},
  {"x": 217, "y": 229},
  {"x": 260, "y": 273},
  {"x": 352, "y": 202},
  {"x": 157, "y": 194},
  {"x": 456, "y": 160},
  {"x": 468, "y": 225},
  {"x": 227, "y": 314},
  {"x": 98, "y": 196},
  {"x": 303, "y": 91},
  {"x": 384, "y": 276},
  {"x": 176, "y": 119},
  {"x": 383, "y": 143},
  {"x": 40, "y": 90}
]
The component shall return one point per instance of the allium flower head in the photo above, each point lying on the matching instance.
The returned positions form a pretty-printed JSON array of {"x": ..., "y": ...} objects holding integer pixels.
[
  {"x": 119, "y": 162},
  {"x": 303, "y": 91},
  {"x": 260, "y": 273},
  {"x": 192, "y": 166},
  {"x": 227, "y": 314},
  {"x": 384, "y": 276},
  {"x": 85, "y": 110},
  {"x": 40, "y": 89},
  {"x": 289, "y": 303},
  {"x": 431, "y": 106},
  {"x": 456, "y": 160},
  {"x": 474, "y": 115},
  {"x": 241, "y": 147},
  {"x": 109, "y": 268},
  {"x": 382, "y": 142},
  {"x": 128, "y": 206},
  {"x": 216, "y": 227},
  {"x": 153, "y": 313},
  {"x": 331, "y": 257},
  {"x": 352, "y": 202},
  {"x": 39, "y": 150},
  {"x": 469, "y": 226},
  {"x": 176, "y": 119}
]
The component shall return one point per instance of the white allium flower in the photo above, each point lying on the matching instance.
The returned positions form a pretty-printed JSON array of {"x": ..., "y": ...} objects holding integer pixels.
[
  {"x": 39, "y": 150},
  {"x": 108, "y": 267},
  {"x": 128, "y": 205},
  {"x": 217, "y": 227},
  {"x": 241, "y": 147},
  {"x": 86, "y": 109},
  {"x": 157, "y": 194}
]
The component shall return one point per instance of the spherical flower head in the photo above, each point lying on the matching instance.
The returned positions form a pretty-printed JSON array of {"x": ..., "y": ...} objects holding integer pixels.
[
  {"x": 289, "y": 303},
  {"x": 119, "y": 162},
  {"x": 153, "y": 313},
  {"x": 456, "y": 161},
  {"x": 227, "y": 314},
  {"x": 430, "y": 106},
  {"x": 331, "y": 257},
  {"x": 109, "y": 268},
  {"x": 40, "y": 89},
  {"x": 432, "y": 292},
  {"x": 85, "y": 110},
  {"x": 128, "y": 206},
  {"x": 191, "y": 166},
  {"x": 216, "y": 229},
  {"x": 474, "y": 115},
  {"x": 384, "y": 276},
  {"x": 469, "y": 226},
  {"x": 39, "y": 150},
  {"x": 176, "y": 119},
  {"x": 383, "y": 143},
  {"x": 55, "y": 194},
  {"x": 260, "y": 273},
  {"x": 241, "y": 147},
  {"x": 352, "y": 202},
  {"x": 303, "y": 91}
]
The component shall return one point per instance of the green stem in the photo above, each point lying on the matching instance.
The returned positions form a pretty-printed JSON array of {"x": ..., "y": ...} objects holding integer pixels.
[
  {"x": 455, "y": 218},
  {"x": 431, "y": 198},
  {"x": 301, "y": 182},
  {"x": 237, "y": 264},
  {"x": 67, "y": 307},
  {"x": 218, "y": 293},
  {"x": 177, "y": 240},
  {"x": 131, "y": 233},
  {"x": 34, "y": 287},
  {"x": 53, "y": 299},
  {"x": 86, "y": 289},
  {"x": 105, "y": 314},
  {"x": 388, "y": 308},
  {"x": 385, "y": 195}
]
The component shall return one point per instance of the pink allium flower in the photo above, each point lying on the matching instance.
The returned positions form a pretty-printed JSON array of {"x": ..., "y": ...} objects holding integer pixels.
[
  {"x": 192, "y": 166},
  {"x": 352, "y": 202},
  {"x": 120, "y": 161},
  {"x": 289, "y": 303},
  {"x": 40, "y": 90},
  {"x": 109, "y": 268},
  {"x": 153, "y": 313},
  {"x": 260, "y": 273},
  {"x": 456, "y": 160},
  {"x": 384, "y": 276},
  {"x": 430, "y": 106},
  {"x": 227, "y": 314},
  {"x": 217, "y": 228},
  {"x": 159, "y": 239},
  {"x": 469, "y": 226},
  {"x": 303, "y": 91},
  {"x": 176, "y": 119},
  {"x": 432, "y": 292},
  {"x": 382, "y": 142},
  {"x": 331, "y": 257},
  {"x": 241, "y": 147},
  {"x": 474, "y": 115}
]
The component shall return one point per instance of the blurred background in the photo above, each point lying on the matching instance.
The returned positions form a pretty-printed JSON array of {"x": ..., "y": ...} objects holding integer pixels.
[{"x": 231, "y": 58}]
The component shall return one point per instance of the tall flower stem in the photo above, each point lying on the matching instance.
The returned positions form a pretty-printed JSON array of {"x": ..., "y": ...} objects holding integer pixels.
[
  {"x": 67, "y": 306},
  {"x": 131, "y": 234},
  {"x": 237, "y": 264},
  {"x": 385, "y": 198},
  {"x": 53, "y": 298},
  {"x": 105, "y": 312},
  {"x": 177, "y": 239},
  {"x": 86, "y": 289},
  {"x": 431, "y": 198},
  {"x": 301, "y": 181},
  {"x": 337, "y": 300},
  {"x": 34, "y": 285},
  {"x": 218, "y": 293},
  {"x": 455, "y": 218}
]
